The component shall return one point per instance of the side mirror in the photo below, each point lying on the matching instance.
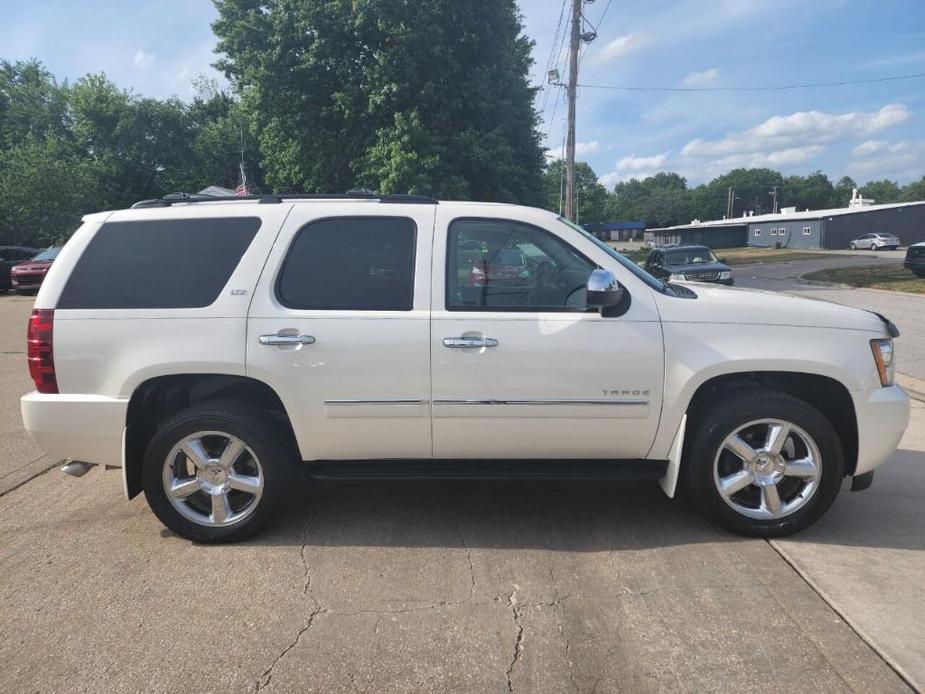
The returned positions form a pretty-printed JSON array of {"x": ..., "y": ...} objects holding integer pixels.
[{"x": 603, "y": 289}]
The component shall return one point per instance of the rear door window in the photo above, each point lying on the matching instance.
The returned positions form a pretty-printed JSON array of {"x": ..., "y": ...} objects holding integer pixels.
[
  {"x": 350, "y": 263},
  {"x": 175, "y": 263}
]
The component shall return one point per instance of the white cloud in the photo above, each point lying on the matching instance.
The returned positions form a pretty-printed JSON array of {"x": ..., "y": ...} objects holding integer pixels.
[
  {"x": 621, "y": 46},
  {"x": 698, "y": 78},
  {"x": 902, "y": 161},
  {"x": 609, "y": 180},
  {"x": 800, "y": 129},
  {"x": 582, "y": 149},
  {"x": 634, "y": 163},
  {"x": 142, "y": 59}
]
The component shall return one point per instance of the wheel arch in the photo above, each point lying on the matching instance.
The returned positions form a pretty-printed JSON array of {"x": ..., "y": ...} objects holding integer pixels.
[
  {"x": 162, "y": 396},
  {"x": 826, "y": 394}
]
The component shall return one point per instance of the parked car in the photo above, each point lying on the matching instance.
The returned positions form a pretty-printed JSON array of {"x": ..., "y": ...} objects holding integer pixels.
[
  {"x": 10, "y": 256},
  {"x": 915, "y": 259},
  {"x": 875, "y": 242},
  {"x": 28, "y": 276},
  {"x": 690, "y": 263},
  {"x": 341, "y": 336}
]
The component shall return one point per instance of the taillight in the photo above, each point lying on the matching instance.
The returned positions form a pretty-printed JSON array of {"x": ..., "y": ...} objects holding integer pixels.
[{"x": 39, "y": 350}]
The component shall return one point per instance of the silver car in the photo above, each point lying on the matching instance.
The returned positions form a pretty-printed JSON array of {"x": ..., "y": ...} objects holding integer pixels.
[{"x": 875, "y": 242}]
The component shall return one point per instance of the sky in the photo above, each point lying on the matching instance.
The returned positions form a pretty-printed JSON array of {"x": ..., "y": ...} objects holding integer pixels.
[{"x": 868, "y": 131}]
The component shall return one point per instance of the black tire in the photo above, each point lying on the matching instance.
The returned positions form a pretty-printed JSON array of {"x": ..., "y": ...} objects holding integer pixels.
[
  {"x": 853, "y": 246},
  {"x": 737, "y": 409},
  {"x": 269, "y": 442}
]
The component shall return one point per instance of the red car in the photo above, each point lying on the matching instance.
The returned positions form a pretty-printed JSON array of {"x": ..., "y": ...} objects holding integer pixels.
[
  {"x": 507, "y": 266},
  {"x": 28, "y": 276}
]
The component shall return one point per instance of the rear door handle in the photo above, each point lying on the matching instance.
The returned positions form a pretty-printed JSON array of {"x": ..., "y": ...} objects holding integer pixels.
[
  {"x": 458, "y": 342},
  {"x": 279, "y": 340}
]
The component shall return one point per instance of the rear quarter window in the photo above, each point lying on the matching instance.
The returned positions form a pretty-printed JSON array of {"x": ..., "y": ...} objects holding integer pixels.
[{"x": 176, "y": 263}]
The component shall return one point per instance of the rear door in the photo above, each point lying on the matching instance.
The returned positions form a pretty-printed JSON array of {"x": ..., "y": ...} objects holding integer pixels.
[{"x": 339, "y": 327}]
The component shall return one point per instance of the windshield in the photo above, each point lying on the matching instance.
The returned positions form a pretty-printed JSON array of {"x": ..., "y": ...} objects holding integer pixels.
[
  {"x": 48, "y": 254},
  {"x": 653, "y": 282},
  {"x": 689, "y": 256}
]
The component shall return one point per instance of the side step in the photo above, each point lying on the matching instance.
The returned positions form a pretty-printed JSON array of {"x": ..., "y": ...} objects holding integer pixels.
[{"x": 486, "y": 469}]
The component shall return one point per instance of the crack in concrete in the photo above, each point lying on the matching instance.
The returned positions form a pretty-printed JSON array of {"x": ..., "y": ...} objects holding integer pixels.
[
  {"x": 519, "y": 641},
  {"x": 462, "y": 540},
  {"x": 568, "y": 662},
  {"x": 266, "y": 677},
  {"x": 307, "y": 576}
]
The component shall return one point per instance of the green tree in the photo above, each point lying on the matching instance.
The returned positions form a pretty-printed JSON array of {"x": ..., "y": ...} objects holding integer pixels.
[
  {"x": 44, "y": 190},
  {"x": 814, "y": 192},
  {"x": 914, "y": 191},
  {"x": 882, "y": 192},
  {"x": 660, "y": 200},
  {"x": 425, "y": 97},
  {"x": 593, "y": 202},
  {"x": 844, "y": 189},
  {"x": 32, "y": 103}
]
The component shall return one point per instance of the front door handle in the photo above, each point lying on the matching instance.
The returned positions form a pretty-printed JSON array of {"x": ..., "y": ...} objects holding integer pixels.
[
  {"x": 457, "y": 342},
  {"x": 297, "y": 339}
]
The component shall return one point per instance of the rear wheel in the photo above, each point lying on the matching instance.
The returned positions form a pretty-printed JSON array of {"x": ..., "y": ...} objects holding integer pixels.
[
  {"x": 217, "y": 471},
  {"x": 764, "y": 463}
]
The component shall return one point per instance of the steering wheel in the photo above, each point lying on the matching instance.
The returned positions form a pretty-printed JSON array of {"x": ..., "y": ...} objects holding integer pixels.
[{"x": 576, "y": 289}]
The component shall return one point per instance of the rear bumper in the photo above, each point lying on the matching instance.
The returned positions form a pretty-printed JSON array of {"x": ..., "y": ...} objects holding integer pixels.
[
  {"x": 80, "y": 427},
  {"x": 883, "y": 415}
]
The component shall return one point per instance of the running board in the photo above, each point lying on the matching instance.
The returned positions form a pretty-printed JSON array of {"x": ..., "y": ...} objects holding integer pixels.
[{"x": 486, "y": 469}]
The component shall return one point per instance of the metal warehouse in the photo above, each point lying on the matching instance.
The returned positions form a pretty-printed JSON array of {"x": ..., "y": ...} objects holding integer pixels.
[{"x": 834, "y": 228}]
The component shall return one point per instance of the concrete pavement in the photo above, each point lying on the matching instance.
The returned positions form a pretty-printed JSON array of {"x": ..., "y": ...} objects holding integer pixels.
[
  {"x": 20, "y": 458},
  {"x": 411, "y": 587},
  {"x": 866, "y": 556}
]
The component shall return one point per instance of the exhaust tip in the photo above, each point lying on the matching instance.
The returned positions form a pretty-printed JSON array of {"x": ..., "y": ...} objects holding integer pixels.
[{"x": 76, "y": 468}]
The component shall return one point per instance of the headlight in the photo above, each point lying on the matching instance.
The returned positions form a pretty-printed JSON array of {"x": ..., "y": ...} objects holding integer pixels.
[
  {"x": 725, "y": 275},
  {"x": 676, "y": 278},
  {"x": 883, "y": 358}
]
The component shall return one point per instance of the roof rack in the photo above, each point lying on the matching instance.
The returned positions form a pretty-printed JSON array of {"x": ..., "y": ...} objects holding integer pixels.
[{"x": 275, "y": 199}]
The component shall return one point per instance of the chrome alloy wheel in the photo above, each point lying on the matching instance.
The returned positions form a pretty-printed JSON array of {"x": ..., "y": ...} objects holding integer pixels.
[
  {"x": 212, "y": 478},
  {"x": 767, "y": 469}
]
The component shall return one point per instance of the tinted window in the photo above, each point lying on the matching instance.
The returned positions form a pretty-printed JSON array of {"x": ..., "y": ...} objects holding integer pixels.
[
  {"x": 181, "y": 263},
  {"x": 49, "y": 254},
  {"x": 351, "y": 263},
  {"x": 690, "y": 256},
  {"x": 497, "y": 264}
]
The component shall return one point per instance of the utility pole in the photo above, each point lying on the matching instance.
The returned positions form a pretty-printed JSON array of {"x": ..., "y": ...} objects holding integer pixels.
[
  {"x": 572, "y": 90},
  {"x": 774, "y": 208}
]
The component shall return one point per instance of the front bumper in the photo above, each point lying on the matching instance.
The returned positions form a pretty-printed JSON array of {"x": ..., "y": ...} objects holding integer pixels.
[
  {"x": 80, "y": 427},
  {"x": 882, "y": 415}
]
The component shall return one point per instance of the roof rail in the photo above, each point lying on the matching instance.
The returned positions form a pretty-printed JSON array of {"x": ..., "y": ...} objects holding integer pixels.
[{"x": 272, "y": 199}]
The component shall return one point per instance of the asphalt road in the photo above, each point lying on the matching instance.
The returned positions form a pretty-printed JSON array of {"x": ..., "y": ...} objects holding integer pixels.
[{"x": 476, "y": 587}]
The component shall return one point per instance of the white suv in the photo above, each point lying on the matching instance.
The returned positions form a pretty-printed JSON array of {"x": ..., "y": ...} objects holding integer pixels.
[{"x": 207, "y": 347}]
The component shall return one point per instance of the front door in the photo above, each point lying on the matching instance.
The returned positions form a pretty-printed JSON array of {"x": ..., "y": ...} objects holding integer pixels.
[
  {"x": 339, "y": 328},
  {"x": 521, "y": 368}
]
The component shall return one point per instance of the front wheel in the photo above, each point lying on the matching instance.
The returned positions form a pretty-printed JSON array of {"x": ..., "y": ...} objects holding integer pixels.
[
  {"x": 217, "y": 471},
  {"x": 763, "y": 463},
  {"x": 853, "y": 246}
]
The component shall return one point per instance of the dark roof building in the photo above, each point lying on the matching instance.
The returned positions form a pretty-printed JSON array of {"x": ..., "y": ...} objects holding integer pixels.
[
  {"x": 833, "y": 228},
  {"x": 617, "y": 231}
]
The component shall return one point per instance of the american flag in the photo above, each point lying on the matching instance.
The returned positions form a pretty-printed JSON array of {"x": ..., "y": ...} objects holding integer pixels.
[{"x": 242, "y": 186}]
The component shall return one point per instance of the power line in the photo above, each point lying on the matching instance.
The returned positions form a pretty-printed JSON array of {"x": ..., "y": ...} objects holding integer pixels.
[
  {"x": 552, "y": 57},
  {"x": 784, "y": 87}
]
